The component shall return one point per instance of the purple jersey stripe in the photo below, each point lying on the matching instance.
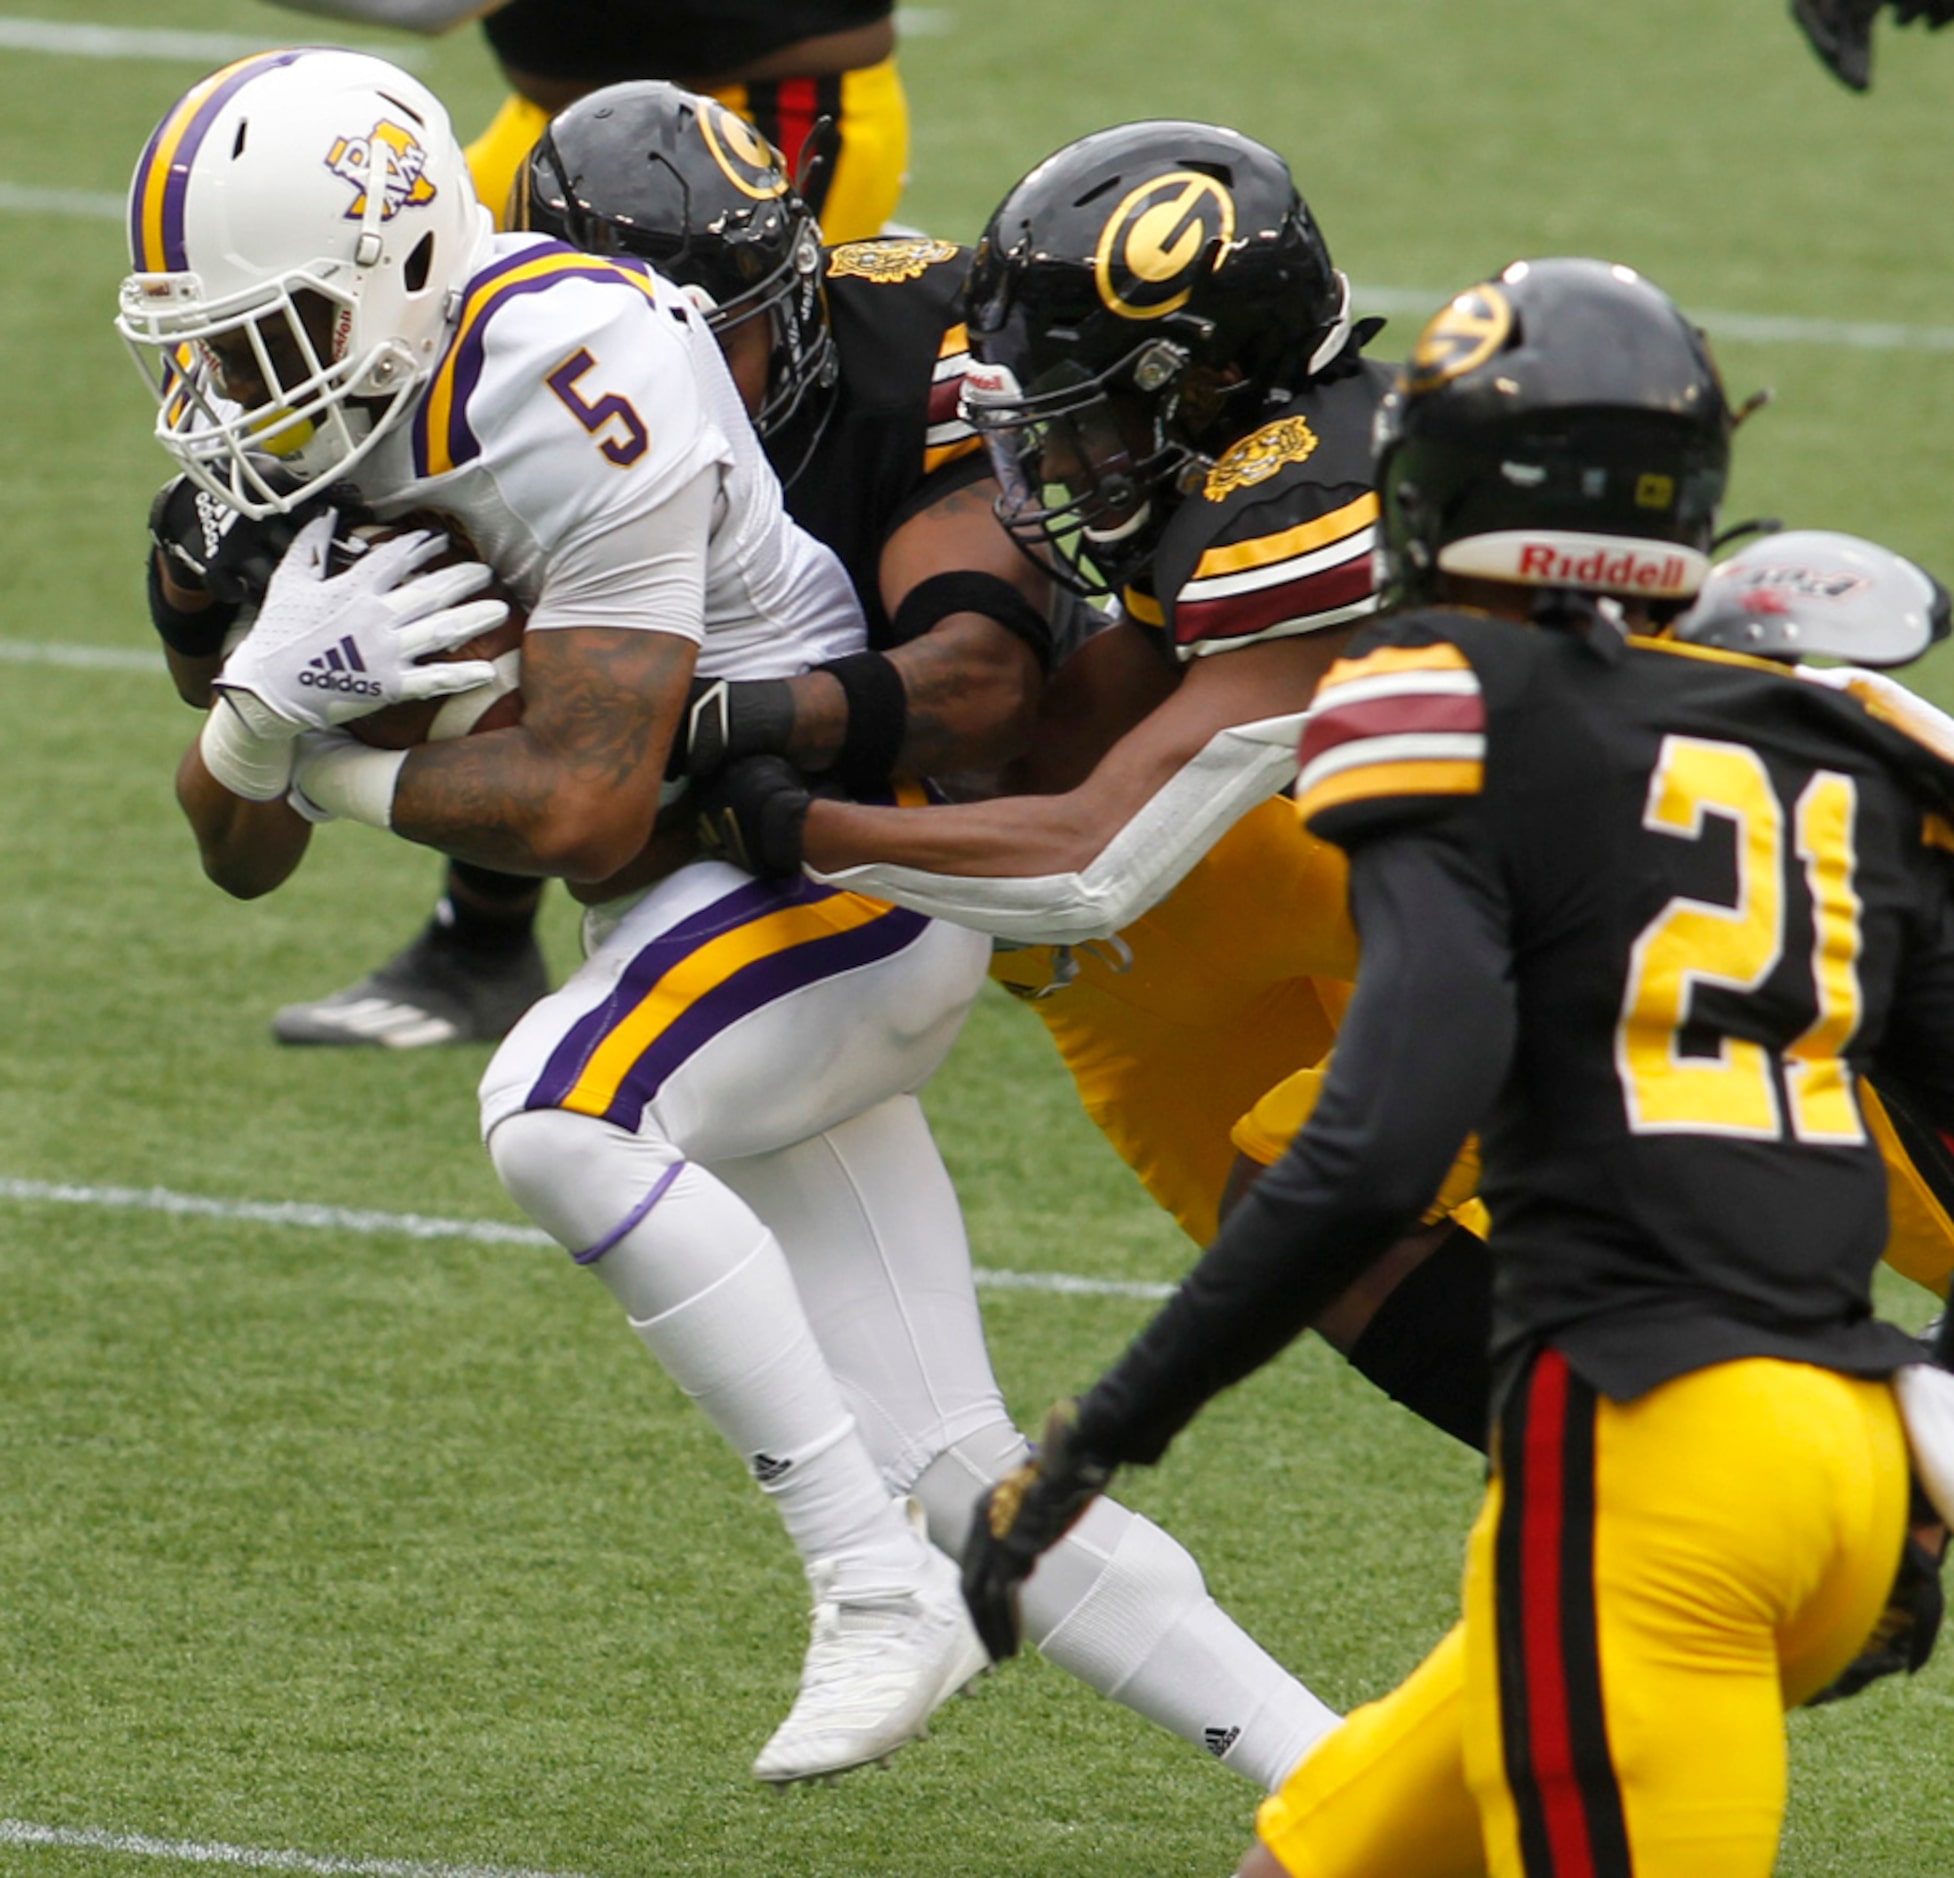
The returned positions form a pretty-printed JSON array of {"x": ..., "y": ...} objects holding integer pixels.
[
  {"x": 750, "y": 989},
  {"x": 754, "y": 900},
  {"x": 487, "y": 294}
]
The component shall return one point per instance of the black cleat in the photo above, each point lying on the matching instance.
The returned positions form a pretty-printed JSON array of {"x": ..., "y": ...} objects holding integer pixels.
[{"x": 434, "y": 992}]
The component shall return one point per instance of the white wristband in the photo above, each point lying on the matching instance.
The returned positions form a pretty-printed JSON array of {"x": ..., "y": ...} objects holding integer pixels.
[
  {"x": 347, "y": 781},
  {"x": 248, "y": 764}
]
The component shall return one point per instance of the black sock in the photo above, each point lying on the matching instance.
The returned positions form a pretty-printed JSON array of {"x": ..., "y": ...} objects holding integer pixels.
[
  {"x": 486, "y": 914},
  {"x": 1428, "y": 1344}
]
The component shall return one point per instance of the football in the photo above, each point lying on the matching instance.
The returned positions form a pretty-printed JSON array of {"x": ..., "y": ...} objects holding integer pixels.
[{"x": 492, "y": 706}]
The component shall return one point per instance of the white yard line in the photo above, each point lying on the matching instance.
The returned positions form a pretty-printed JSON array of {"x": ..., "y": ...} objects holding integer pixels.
[
  {"x": 71, "y": 205},
  {"x": 367, "y": 1222},
  {"x": 74, "y": 39},
  {"x": 90, "y": 658},
  {"x": 248, "y": 1858}
]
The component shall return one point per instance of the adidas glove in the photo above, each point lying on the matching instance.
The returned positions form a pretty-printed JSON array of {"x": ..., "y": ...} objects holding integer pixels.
[
  {"x": 326, "y": 649},
  {"x": 1022, "y": 1518},
  {"x": 753, "y": 813},
  {"x": 211, "y": 547}
]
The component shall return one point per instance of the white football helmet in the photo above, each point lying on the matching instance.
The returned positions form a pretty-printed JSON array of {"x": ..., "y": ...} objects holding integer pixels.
[{"x": 302, "y": 224}]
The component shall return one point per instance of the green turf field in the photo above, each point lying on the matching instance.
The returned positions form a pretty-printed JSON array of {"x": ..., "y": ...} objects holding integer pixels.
[{"x": 392, "y": 1555}]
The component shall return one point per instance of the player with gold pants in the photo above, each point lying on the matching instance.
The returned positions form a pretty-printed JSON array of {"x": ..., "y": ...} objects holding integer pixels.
[
  {"x": 1717, "y": 1548},
  {"x": 870, "y": 109}
]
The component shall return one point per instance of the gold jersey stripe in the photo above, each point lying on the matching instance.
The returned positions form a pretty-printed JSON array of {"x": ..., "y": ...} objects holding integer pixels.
[
  {"x": 939, "y": 454},
  {"x": 1266, "y": 550},
  {"x": 1386, "y": 660},
  {"x": 487, "y": 295},
  {"x": 1365, "y": 782},
  {"x": 703, "y": 972}
]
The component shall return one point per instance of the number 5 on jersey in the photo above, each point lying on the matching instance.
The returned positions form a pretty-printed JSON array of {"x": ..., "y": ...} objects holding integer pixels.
[
  {"x": 597, "y": 415},
  {"x": 1695, "y": 942}
]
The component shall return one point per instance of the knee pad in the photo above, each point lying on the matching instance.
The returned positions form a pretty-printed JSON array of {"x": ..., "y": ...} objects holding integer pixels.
[{"x": 582, "y": 1180}]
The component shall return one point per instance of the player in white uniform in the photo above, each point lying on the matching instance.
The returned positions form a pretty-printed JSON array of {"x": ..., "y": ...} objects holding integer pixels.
[{"x": 812, "y": 1291}]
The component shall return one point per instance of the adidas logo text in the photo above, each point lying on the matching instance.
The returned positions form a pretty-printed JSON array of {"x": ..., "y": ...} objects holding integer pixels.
[
  {"x": 214, "y": 520},
  {"x": 336, "y": 671}
]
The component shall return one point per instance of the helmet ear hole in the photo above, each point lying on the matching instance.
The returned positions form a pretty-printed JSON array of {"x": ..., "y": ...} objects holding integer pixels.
[{"x": 419, "y": 264}]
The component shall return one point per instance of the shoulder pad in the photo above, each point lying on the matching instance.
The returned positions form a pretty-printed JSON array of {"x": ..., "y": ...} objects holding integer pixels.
[
  {"x": 1397, "y": 732},
  {"x": 1276, "y": 538}
]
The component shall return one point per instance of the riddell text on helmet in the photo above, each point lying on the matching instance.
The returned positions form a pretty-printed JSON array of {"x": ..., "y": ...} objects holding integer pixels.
[{"x": 1543, "y": 561}]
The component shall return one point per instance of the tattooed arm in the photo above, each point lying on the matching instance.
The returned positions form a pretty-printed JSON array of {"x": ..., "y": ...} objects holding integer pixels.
[{"x": 572, "y": 791}]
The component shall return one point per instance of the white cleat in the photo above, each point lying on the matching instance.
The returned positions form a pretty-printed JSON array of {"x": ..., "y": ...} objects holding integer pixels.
[{"x": 876, "y": 1670}]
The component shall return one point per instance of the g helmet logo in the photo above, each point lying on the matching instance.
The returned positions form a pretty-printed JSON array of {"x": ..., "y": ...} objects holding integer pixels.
[
  {"x": 1461, "y": 336},
  {"x": 401, "y": 163},
  {"x": 1156, "y": 242},
  {"x": 748, "y": 161}
]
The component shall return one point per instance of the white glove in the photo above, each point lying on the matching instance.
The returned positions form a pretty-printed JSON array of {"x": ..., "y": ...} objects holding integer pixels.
[{"x": 327, "y": 648}]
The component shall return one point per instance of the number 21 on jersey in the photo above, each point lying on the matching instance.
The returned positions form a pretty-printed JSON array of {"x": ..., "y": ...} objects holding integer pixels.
[{"x": 1735, "y": 1092}]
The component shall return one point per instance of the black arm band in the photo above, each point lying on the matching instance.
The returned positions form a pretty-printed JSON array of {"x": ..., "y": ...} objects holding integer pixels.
[
  {"x": 878, "y": 712},
  {"x": 966, "y": 591},
  {"x": 192, "y": 635}
]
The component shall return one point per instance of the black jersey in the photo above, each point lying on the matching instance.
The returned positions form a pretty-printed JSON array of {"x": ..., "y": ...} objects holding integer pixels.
[
  {"x": 1714, "y": 883},
  {"x": 605, "y": 41},
  {"x": 888, "y": 440},
  {"x": 1276, "y": 538},
  {"x": 1643, "y": 914}
]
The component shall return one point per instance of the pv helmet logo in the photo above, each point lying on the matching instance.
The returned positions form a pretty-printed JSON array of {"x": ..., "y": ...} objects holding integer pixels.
[
  {"x": 1156, "y": 242},
  {"x": 1462, "y": 335},
  {"x": 401, "y": 163},
  {"x": 745, "y": 156}
]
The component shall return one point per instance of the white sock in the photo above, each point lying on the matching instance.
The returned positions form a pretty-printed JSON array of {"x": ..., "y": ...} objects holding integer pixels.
[
  {"x": 1123, "y": 1607},
  {"x": 707, "y": 1289}
]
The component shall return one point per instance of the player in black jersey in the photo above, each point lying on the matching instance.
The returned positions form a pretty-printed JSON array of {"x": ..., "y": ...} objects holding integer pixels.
[
  {"x": 783, "y": 65},
  {"x": 1643, "y": 913},
  {"x": 1174, "y": 391},
  {"x": 850, "y": 359}
]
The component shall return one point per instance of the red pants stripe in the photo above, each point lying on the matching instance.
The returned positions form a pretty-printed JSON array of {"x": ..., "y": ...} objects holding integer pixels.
[{"x": 1554, "y": 1733}]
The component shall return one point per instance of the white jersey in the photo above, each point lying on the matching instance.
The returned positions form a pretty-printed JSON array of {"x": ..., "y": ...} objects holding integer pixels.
[{"x": 576, "y": 398}]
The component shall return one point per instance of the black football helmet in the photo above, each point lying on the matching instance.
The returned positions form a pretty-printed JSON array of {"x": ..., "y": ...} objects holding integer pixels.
[
  {"x": 1134, "y": 305},
  {"x": 1562, "y": 426},
  {"x": 652, "y": 170}
]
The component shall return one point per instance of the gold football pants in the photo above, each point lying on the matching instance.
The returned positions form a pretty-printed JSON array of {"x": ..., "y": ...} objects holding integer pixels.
[
  {"x": 869, "y": 106},
  {"x": 1648, "y": 1587},
  {"x": 1175, "y": 1027}
]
